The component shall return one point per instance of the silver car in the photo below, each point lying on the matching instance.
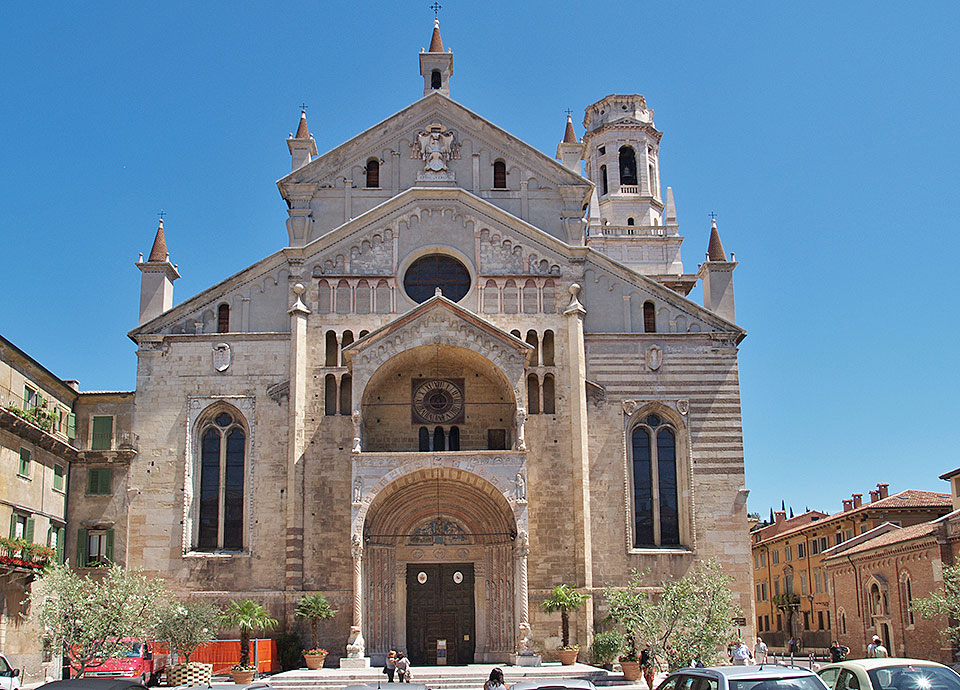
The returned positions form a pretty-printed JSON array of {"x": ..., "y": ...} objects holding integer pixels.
[{"x": 765, "y": 677}]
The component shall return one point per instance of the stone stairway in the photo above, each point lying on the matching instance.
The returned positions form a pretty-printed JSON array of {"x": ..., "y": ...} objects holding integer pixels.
[{"x": 469, "y": 677}]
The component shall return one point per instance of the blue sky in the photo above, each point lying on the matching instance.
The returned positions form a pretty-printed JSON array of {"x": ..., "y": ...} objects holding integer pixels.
[{"x": 823, "y": 134}]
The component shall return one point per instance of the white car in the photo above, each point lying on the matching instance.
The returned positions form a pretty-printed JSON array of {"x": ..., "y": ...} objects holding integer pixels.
[{"x": 9, "y": 676}]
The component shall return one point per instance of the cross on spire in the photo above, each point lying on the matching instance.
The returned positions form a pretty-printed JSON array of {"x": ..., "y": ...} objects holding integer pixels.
[
  {"x": 436, "y": 7},
  {"x": 303, "y": 107},
  {"x": 713, "y": 216},
  {"x": 568, "y": 112},
  {"x": 162, "y": 213}
]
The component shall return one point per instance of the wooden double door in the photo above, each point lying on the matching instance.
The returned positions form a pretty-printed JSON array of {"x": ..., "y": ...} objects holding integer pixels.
[{"x": 440, "y": 606}]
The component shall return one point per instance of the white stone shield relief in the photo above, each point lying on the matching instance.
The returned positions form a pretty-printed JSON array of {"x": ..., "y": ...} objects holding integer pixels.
[{"x": 221, "y": 357}]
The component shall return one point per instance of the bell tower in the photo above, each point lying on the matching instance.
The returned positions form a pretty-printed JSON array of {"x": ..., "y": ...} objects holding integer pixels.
[
  {"x": 436, "y": 66},
  {"x": 630, "y": 220}
]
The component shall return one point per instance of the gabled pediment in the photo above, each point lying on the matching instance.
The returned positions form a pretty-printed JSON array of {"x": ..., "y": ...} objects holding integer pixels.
[
  {"x": 439, "y": 322},
  {"x": 396, "y": 136}
]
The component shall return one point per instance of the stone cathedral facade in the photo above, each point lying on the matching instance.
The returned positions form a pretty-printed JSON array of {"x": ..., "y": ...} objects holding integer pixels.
[{"x": 470, "y": 372}]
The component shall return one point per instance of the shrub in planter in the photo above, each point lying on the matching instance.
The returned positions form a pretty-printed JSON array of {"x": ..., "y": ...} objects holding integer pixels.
[
  {"x": 314, "y": 608},
  {"x": 565, "y": 599},
  {"x": 606, "y": 647},
  {"x": 248, "y": 616},
  {"x": 315, "y": 657}
]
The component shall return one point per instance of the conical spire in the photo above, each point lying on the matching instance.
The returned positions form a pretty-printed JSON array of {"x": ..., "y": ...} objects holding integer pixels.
[
  {"x": 159, "y": 251},
  {"x": 715, "y": 248},
  {"x": 302, "y": 131},
  {"x": 569, "y": 136},
  {"x": 436, "y": 43}
]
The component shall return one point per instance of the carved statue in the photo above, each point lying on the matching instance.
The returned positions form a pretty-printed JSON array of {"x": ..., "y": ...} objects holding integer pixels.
[
  {"x": 521, "y": 419},
  {"x": 523, "y": 543},
  {"x": 357, "y": 423},
  {"x": 435, "y": 146},
  {"x": 520, "y": 488},
  {"x": 357, "y": 490},
  {"x": 356, "y": 646},
  {"x": 524, "y": 640}
]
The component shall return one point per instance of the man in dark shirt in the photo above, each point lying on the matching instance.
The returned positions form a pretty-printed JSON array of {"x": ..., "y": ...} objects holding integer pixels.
[{"x": 838, "y": 652}]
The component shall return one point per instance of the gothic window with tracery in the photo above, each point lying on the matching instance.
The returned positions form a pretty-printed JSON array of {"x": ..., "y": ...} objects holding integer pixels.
[
  {"x": 223, "y": 441},
  {"x": 655, "y": 490}
]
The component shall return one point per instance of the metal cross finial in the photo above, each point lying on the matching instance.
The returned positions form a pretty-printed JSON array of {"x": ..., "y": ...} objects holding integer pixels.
[
  {"x": 568, "y": 112},
  {"x": 436, "y": 7},
  {"x": 303, "y": 107},
  {"x": 713, "y": 216},
  {"x": 162, "y": 213}
]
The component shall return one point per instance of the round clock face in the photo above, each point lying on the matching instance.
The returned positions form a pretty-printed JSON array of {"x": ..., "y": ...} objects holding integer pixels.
[{"x": 438, "y": 401}]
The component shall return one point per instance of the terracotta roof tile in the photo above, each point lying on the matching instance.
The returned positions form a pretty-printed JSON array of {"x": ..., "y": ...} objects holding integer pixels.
[
  {"x": 302, "y": 131},
  {"x": 897, "y": 536},
  {"x": 436, "y": 43},
  {"x": 159, "y": 251},
  {"x": 715, "y": 248},
  {"x": 909, "y": 498},
  {"x": 569, "y": 136}
]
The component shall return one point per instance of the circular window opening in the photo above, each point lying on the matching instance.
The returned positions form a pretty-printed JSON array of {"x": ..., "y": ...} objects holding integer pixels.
[{"x": 427, "y": 274}]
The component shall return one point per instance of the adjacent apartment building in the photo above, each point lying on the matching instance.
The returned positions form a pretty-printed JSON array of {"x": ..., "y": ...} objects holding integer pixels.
[
  {"x": 792, "y": 590},
  {"x": 54, "y": 440}
]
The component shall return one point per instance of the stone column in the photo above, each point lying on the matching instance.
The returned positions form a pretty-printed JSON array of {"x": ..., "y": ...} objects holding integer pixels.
[
  {"x": 580, "y": 455},
  {"x": 293, "y": 579},
  {"x": 356, "y": 646},
  {"x": 525, "y": 655}
]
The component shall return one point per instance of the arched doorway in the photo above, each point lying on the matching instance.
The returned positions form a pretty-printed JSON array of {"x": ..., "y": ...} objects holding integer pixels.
[{"x": 441, "y": 553}]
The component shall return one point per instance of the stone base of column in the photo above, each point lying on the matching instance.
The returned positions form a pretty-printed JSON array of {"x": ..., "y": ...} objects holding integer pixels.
[
  {"x": 361, "y": 662},
  {"x": 527, "y": 660}
]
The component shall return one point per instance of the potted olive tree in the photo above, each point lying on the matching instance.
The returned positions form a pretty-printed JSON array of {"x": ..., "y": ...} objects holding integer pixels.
[
  {"x": 607, "y": 647},
  {"x": 248, "y": 616},
  {"x": 314, "y": 608},
  {"x": 187, "y": 625},
  {"x": 565, "y": 599}
]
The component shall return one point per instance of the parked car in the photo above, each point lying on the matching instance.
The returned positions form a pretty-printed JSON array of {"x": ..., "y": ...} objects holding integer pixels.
[
  {"x": 889, "y": 674},
  {"x": 555, "y": 684},
  {"x": 9, "y": 676},
  {"x": 139, "y": 663},
  {"x": 766, "y": 677}
]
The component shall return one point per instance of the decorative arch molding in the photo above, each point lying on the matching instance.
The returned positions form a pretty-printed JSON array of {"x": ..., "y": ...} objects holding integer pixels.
[
  {"x": 493, "y": 473},
  {"x": 675, "y": 415},
  {"x": 200, "y": 409}
]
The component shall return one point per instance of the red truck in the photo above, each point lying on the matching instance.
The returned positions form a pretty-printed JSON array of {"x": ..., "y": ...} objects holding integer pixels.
[{"x": 140, "y": 663}]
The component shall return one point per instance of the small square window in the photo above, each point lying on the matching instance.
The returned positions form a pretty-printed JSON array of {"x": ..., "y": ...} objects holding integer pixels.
[{"x": 99, "y": 481}]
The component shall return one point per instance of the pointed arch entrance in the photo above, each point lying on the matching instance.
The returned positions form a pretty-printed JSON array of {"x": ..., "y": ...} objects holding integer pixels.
[{"x": 441, "y": 547}]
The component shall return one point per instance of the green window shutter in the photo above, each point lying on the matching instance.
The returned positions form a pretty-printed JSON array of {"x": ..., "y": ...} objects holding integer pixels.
[
  {"x": 25, "y": 462},
  {"x": 13, "y": 526},
  {"x": 109, "y": 549},
  {"x": 71, "y": 425},
  {"x": 106, "y": 480},
  {"x": 102, "y": 433},
  {"x": 59, "y": 472},
  {"x": 26, "y": 398},
  {"x": 61, "y": 536},
  {"x": 28, "y": 530},
  {"x": 92, "y": 481},
  {"x": 81, "y": 548}
]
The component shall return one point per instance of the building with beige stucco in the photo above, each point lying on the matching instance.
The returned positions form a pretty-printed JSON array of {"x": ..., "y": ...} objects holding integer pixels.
[{"x": 470, "y": 372}]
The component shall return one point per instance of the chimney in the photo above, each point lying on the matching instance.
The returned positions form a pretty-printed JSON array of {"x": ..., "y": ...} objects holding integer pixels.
[
  {"x": 884, "y": 489},
  {"x": 73, "y": 383},
  {"x": 847, "y": 504},
  {"x": 874, "y": 495},
  {"x": 779, "y": 516},
  {"x": 857, "y": 500}
]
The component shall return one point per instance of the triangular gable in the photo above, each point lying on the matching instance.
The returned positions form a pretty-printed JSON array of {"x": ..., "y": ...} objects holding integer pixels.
[{"x": 404, "y": 124}]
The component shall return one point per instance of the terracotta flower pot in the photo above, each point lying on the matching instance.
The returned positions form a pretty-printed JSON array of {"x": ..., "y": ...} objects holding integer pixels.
[
  {"x": 631, "y": 670},
  {"x": 315, "y": 661},
  {"x": 243, "y": 677},
  {"x": 568, "y": 657}
]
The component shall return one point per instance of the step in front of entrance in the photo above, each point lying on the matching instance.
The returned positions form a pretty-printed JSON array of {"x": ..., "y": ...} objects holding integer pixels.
[{"x": 470, "y": 677}]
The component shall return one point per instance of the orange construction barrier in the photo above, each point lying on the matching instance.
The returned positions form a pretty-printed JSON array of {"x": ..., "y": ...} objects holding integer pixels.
[{"x": 225, "y": 654}]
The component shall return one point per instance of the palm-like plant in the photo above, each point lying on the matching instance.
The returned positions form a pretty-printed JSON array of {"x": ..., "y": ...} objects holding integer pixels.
[
  {"x": 314, "y": 608},
  {"x": 248, "y": 616},
  {"x": 564, "y": 599}
]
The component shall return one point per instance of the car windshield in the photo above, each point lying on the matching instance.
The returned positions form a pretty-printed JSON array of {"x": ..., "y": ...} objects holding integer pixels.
[
  {"x": 134, "y": 650},
  {"x": 914, "y": 677},
  {"x": 800, "y": 683}
]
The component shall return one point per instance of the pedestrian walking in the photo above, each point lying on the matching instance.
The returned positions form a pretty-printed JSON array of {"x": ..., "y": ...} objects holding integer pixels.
[
  {"x": 648, "y": 664},
  {"x": 390, "y": 667},
  {"x": 402, "y": 665},
  {"x": 879, "y": 651},
  {"x": 838, "y": 652},
  {"x": 740, "y": 654},
  {"x": 495, "y": 681},
  {"x": 760, "y": 651},
  {"x": 872, "y": 646}
]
